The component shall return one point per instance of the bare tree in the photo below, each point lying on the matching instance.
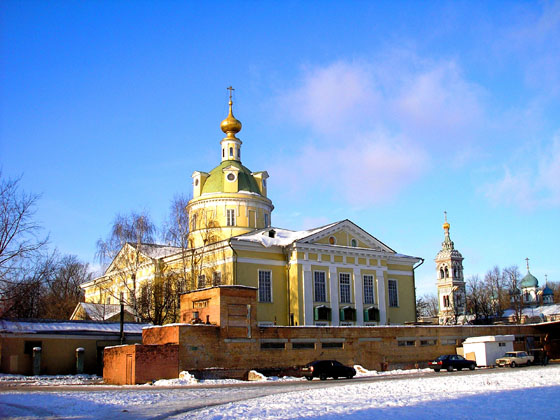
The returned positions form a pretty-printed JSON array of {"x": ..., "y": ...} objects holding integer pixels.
[
  {"x": 134, "y": 229},
  {"x": 512, "y": 277},
  {"x": 20, "y": 239},
  {"x": 427, "y": 306},
  {"x": 63, "y": 287}
]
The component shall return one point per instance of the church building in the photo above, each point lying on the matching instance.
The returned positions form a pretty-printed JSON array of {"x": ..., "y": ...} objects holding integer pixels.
[{"x": 332, "y": 275}]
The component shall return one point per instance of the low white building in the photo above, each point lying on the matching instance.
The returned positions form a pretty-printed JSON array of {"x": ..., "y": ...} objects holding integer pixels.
[{"x": 485, "y": 350}]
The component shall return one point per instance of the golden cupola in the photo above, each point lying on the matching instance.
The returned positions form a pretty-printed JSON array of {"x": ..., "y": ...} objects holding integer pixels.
[{"x": 231, "y": 145}]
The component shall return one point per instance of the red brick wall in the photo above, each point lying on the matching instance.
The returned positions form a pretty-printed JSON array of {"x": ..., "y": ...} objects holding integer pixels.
[
  {"x": 115, "y": 364},
  {"x": 137, "y": 364},
  {"x": 159, "y": 335},
  {"x": 156, "y": 362}
]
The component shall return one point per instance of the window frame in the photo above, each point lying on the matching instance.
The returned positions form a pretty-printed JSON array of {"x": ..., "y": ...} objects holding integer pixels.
[
  {"x": 198, "y": 281},
  {"x": 230, "y": 217},
  {"x": 349, "y": 285},
  {"x": 324, "y": 285},
  {"x": 392, "y": 304},
  {"x": 372, "y": 302},
  {"x": 261, "y": 289}
]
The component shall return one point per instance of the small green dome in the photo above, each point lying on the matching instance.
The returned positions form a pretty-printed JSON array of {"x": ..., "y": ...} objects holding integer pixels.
[
  {"x": 529, "y": 281},
  {"x": 215, "y": 181}
]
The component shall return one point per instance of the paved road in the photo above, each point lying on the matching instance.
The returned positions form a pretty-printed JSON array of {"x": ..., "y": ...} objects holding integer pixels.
[{"x": 166, "y": 402}]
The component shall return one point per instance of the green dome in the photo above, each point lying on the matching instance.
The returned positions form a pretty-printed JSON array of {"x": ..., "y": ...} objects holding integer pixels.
[
  {"x": 529, "y": 281},
  {"x": 215, "y": 181}
]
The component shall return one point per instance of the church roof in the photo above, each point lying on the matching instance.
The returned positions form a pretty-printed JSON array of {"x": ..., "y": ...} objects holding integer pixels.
[
  {"x": 529, "y": 281},
  {"x": 100, "y": 312},
  {"x": 156, "y": 250},
  {"x": 215, "y": 181}
]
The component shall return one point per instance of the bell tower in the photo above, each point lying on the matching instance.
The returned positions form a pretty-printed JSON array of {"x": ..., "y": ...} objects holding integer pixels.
[{"x": 450, "y": 280}]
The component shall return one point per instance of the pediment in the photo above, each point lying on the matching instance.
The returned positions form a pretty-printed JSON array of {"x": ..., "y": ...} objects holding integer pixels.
[
  {"x": 343, "y": 234},
  {"x": 126, "y": 259}
]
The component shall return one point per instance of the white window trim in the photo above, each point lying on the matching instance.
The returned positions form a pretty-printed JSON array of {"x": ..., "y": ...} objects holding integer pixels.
[
  {"x": 326, "y": 287},
  {"x": 388, "y": 295},
  {"x": 349, "y": 287},
  {"x": 271, "y": 288},
  {"x": 233, "y": 215},
  {"x": 372, "y": 288}
]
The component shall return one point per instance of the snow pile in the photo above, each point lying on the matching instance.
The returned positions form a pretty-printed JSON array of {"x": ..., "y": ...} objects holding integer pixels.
[
  {"x": 363, "y": 372},
  {"x": 185, "y": 378}
]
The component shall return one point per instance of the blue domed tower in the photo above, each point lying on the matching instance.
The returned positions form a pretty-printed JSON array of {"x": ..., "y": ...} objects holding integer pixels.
[{"x": 547, "y": 294}]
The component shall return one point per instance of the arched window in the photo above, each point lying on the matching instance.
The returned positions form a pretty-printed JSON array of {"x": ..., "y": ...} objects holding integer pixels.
[
  {"x": 441, "y": 273},
  {"x": 446, "y": 272},
  {"x": 231, "y": 151},
  {"x": 354, "y": 243},
  {"x": 223, "y": 152},
  {"x": 238, "y": 153}
]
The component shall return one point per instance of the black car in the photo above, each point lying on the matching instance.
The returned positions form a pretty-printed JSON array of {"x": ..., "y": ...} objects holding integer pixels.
[
  {"x": 324, "y": 369},
  {"x": 450, "y": 362}
]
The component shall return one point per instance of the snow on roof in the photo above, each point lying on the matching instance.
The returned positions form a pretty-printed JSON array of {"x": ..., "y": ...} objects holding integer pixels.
[
  {"x": 282, "y": 237},
  {"x": 156, "y": 250},
  {"x": 58, "y": 327},
  {"x": 101, "y": 312},
  {"x": 546, "y": 310}
]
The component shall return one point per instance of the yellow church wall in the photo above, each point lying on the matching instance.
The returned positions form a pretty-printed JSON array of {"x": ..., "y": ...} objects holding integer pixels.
[
  {"x": 312, "y": 256},
  {"x": 406, "y": 311},
  {"x": 296, "y": 294},
  {"x": 350, "y": 260},
  {"x": 338, "y": 259},
  {"x": 362, "y": 261},
  {"x": 247, "y": 274}
]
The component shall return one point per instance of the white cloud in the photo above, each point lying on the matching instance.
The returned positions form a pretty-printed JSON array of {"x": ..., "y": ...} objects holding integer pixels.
[
  {"x": 534, "y": 183},
  {"x": 375, "y": 124}
]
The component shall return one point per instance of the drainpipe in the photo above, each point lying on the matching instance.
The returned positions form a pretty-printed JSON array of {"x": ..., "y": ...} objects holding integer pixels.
[
  {"x": 234, "y": 262},
  {"x": 414, "y": 284}
]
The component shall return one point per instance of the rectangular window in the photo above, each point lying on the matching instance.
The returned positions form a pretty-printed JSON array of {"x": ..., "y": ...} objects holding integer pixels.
[
  {"x": 393, "y": 293},
  {"x": 406, "y": 343},
  {"x": 446, "y": 301},
  {"x": 230, "y": 217},
  {"x": 265, "y": 286},
  {"x": 369, "y": 297},
  {"x": 332, "y": 345},
  {"x": 303, "y": 346},
  {"x": 217, "y": 278},
  {"x": 320, "y": 286},
  {"x": 427, "y": 342},
  {"x": 448, "y": 341},
  {"x": 266, "y": 220},
  {"x": 344, "y": 283},
  {"x": 274, "y": 345},
  {"x": 201, "y": 281},
  {"x": 501, "y": 344}
]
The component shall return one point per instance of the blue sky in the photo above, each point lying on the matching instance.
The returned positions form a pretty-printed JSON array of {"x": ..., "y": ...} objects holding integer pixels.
[{"x": 385, "y": 113}]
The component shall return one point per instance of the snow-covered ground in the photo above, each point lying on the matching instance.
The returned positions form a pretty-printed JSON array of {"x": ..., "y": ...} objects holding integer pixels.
[{"x": 521, "y": 393}]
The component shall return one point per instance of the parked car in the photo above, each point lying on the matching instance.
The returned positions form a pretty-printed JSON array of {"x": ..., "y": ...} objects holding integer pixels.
[
  {"x": 515, "y": 358},
  {"x": 324, "y": 369},
  {"x": 450, "y": 362}
]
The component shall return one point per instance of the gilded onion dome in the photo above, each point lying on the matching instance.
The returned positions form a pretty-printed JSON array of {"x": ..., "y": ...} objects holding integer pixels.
[{"x": 231, "y": 125}]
